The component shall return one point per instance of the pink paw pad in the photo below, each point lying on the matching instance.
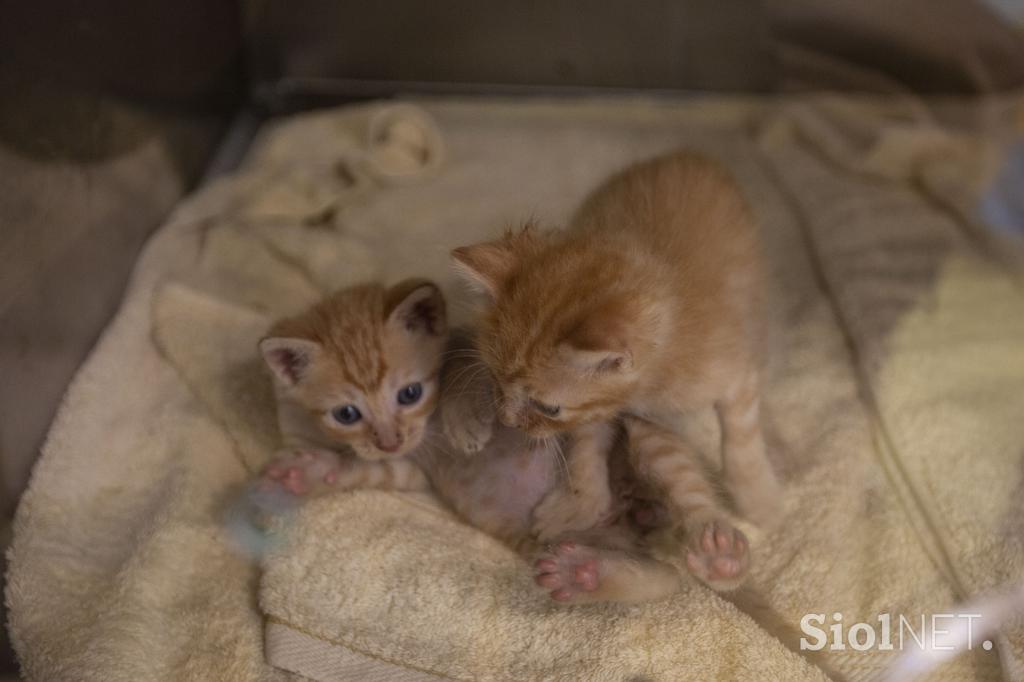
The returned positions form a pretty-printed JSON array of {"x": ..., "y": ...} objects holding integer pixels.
[
  {"x": 719, "y": 555},
  {"x": 301, "y": 471},
  {"x": 568, "y": 570},
  {"x": 295, "y": 481}
]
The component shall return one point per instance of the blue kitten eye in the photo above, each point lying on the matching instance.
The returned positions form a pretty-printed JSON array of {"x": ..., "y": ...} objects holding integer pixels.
[
  {"x": 410, "y": 394},
  {"x": 346, "y": 414}
]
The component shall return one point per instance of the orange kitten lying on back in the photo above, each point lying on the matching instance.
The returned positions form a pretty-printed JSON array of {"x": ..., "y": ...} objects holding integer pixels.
[{"x": 647, "y": 306}]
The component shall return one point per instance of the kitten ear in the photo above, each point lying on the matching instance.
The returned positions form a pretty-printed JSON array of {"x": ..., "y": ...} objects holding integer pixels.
[
  {"x": 489, "y": 265},
  {"x": 600, "y": 342},
  {"x": 289, "y": 359},
  {"x": 485, "y": 266},
  {"x": 417, "y": 306}
]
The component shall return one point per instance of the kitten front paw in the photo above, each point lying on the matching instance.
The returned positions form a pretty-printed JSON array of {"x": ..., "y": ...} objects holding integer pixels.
[
  {"x": 563, "y": 511},
  {"x": 304, "y": 472},
  {"x": 718, "y": 554},
  {"x": 468, "y": 432}
]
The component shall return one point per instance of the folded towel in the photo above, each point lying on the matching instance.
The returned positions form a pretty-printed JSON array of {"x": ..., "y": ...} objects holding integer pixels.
[{"x": 893, "y": 395}]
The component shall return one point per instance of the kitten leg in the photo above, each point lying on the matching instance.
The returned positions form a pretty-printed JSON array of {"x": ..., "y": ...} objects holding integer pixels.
[
  {"x": 587, "y": 498},
  {"x": 580, "y": 574},
  {"x": 717, "y": 553},
  {"x": 467, "y": 397},
  {"x": 748, "y": 473}
]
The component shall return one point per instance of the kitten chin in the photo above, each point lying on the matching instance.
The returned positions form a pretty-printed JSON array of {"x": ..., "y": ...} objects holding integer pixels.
[{"x": 410, "y": 443}]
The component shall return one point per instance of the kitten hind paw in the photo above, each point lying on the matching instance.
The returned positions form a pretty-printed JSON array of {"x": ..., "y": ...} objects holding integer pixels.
[
  {"x": 570, "y": 571},
  {"x": 718, "y": 554}
]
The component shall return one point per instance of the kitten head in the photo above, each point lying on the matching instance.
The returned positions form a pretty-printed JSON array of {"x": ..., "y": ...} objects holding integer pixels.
[
  {"x": 562, "y": 335},
  {"x": 364, "y": 364}
]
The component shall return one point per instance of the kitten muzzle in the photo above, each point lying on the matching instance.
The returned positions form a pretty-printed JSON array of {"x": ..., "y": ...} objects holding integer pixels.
[
  {"x": 388, "y": 446},
  {"x": 388, "y": 440}
]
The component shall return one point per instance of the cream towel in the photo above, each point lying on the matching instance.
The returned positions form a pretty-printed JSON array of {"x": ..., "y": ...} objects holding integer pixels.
[{"x": 894, "y": 389}]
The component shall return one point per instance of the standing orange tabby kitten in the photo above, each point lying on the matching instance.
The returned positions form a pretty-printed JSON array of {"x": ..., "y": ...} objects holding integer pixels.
[{"x": 645, "y": 306}]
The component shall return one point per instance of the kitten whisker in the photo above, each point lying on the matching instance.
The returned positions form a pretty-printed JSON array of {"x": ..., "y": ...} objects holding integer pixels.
[
  {"x": 461, "y": 353},
  {"x": 477, "y": 370},
  {"x": 554, "y": 445},
  {"x": 462, "y": 371}
]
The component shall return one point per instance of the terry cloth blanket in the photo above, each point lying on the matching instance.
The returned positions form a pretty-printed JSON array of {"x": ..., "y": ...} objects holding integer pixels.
[{"x": 894, "y": 397}]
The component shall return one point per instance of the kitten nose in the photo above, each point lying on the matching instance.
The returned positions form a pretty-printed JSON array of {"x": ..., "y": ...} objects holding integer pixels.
[{"x": 387, "y": 441}]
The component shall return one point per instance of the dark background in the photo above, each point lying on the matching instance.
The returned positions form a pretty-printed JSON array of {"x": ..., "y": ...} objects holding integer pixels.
[{"x": 111, "y": 110}]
